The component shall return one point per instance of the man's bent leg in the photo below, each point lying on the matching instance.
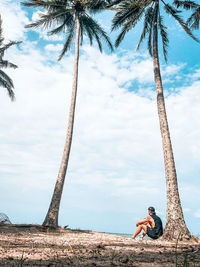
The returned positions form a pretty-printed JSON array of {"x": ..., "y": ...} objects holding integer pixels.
[
  {"x": 145, "y": 231},
  {"x": 139, "y": 229}
]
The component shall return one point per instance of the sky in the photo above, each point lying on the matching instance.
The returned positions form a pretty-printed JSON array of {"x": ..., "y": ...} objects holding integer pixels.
[{"x": 116, "y": 168}]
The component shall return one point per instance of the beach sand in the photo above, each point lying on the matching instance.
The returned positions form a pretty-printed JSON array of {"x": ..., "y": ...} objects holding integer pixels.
[{"x": 28, "y": 245}]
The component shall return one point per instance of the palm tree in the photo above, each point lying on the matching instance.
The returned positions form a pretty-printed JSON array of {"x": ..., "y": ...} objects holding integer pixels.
[
  {"x": 73, "y": 18},
  {"x": 128, "y": 13},
  {"x": 5, "y": 80}
]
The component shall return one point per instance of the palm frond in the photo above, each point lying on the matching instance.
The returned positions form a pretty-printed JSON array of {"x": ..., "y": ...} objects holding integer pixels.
[
  {"x": 174, "y": 13},
  {"x": 89, "y": 31},
  {"x": 58, "y": 29},
  {"x": 7, "y": 83},
  {"x": 68, "y": 41},
  {"x": 11, "y": 93},
  {"x": 85, "y": 28},
  {"x": 121, "y": 36},
  {"x": 127, "y": 11},
  {"x": 1, "y": 31},
  {"x": 185, "y": 4},
  {"x": 5, "y": 80},
  {"x": 150, "y": 33},
  {"x": 1, "y": 40},
  {"x": 96, "y": 30},
  {"x": 194, "y": 19},
  {"x": 147, "y": 25},
  {"x": 150, "y": 40},
  {"x": 49, "y": 19},
  {"x": 7, "y": 64},
  {"x": 68, "y": 21},
  {"x": 6, "y": 46},
  {"x": 4, "y": 76},
  {"x": 127, "y": 19},
  {"x": 114, "y": 5},
  {"x": 46, "y": 4},
  {"x": 98, "y": 40},
  {"x": 164, "y": 36},
  {"x": 114, "y": 2},
  {"x": 96, "y": 6}
]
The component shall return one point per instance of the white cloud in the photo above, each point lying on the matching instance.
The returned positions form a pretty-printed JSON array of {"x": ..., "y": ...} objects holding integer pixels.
[
  {"x": 51, "y": 47},
  {"x": 186, "y": 209},
  {"x": 173, "y": 69},
  {"x": 14, "y": 20},
  {"x": 197, "y": 213},
  {"x": 196, "y": 74},
  {"x": 36, "y": 15}
]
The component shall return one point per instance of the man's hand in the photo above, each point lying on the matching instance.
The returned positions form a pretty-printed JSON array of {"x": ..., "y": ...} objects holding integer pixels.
[{"x": 137, "y": 224}]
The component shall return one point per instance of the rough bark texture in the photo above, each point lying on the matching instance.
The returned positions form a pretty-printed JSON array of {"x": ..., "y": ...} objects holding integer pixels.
[
  {"x": 175, "y": 225},
  {"x": 51, "y": 219}
]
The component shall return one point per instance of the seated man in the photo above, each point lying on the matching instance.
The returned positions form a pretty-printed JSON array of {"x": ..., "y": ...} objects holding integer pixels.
[{"x": 152, "y": 225}]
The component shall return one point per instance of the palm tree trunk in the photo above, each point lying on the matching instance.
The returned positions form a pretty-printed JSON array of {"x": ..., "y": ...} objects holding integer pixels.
[
  {"x": 175, "y": 226},
  {"x": 51, "y": 219}
]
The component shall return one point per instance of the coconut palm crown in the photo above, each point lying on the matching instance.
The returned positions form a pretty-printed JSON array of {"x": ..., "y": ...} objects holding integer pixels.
[
  {"x": 5, "y": 80},
  {"x": 62, "y": 15},
  {"x": 128, "y": 14},
  {"x": 74, "y": 19}
]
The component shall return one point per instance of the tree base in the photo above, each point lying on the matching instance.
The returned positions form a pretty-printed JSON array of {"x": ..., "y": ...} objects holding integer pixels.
[
  {"x": 176, "y": 231},
  {"x": 51, "y": 223}
]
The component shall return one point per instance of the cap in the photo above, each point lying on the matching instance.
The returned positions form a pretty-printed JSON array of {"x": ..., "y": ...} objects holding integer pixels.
[{"x": 152, "y": 209}]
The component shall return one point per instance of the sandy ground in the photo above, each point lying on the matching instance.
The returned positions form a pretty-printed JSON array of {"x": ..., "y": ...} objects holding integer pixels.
[{"x": 30, "y": 246}]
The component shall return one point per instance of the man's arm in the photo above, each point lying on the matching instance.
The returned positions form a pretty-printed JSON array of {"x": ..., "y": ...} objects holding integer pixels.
[{"x": 146, "y": 220}]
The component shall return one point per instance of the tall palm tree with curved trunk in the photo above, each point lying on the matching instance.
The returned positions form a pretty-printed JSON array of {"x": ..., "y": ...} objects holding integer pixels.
[
  {"x": 5, "y": 80},
  {"x": 128, "y": 14},
  {"x": 74, "y": 18}
]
